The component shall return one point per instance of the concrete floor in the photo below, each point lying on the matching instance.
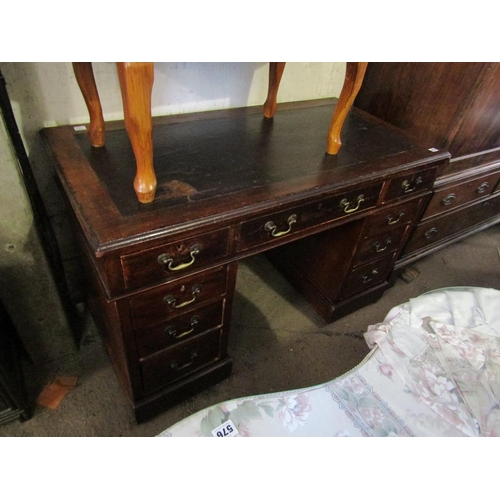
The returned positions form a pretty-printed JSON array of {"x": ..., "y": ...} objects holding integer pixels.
[{"x": 277, "y": 342}]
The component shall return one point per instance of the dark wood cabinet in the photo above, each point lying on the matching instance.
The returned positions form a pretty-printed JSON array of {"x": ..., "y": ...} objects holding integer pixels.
[
  {"x": 230, "y": 185},
  {"x": 450, "y": 106},
  {"x": 13, "y": 401}
]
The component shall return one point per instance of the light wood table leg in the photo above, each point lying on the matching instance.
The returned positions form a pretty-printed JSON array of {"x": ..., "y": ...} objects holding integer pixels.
[
  {"x": 275, "y": 73},
  {"x": 136, "y": 82},
  {"x": 85, "y": 78},
  {"x": 355, "y": 72}
]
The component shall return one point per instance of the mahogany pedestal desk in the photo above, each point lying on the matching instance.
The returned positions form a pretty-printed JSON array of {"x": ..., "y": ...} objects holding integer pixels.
[{"x": 233, "y": 184}]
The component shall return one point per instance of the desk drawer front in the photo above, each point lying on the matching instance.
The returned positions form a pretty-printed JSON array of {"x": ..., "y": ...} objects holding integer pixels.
[
  {"x": 167, "y": 366},
  {"x": 179, "y": 329},
  {"x": 396, "y": 216},
  {"x": 174, "y": 259},
  {"x": 163, "y": 303},
  {"x": 366, "y": 276},
  {"x": 380, "y": 245},
  {"x": 450, "y": 197},
  {"x": 410, "y": 184},
  {"x": 284, "y": 224}
]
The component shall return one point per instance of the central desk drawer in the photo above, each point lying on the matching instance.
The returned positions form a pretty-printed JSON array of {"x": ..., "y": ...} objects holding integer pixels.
[
  {"x": 286, "y": 223},
  {"x": 165, "y": 302},
  {"x": 173, "y": 259}
]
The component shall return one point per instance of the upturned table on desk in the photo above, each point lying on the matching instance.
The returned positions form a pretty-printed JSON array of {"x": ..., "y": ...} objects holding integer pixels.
[{"x": 136, "y": 83}]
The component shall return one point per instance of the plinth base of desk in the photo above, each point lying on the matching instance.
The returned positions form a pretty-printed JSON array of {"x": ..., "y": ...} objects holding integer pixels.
[{"x": 182, "y": 390}]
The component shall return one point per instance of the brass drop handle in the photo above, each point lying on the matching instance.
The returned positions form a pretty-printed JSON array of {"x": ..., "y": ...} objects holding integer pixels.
[
  {"x": 378, "y": 246},
  {"x": 270, "y": 226},
  {"x": 344, "y": 204},
  {"x": 431, "y": 232},
  {"x": 482, "y": 188},
  {"x": 448, "y": 200},
  {"x": 366, "y": 278},
  {"x": 173, "y": 333},
  {"x": 172, "y": 301},
  {"x": 391, "y": 220},
  {"x": 177, "y": 367},
  {"x": 408, "y": 188},
  {"x": 166, "y": 260}
]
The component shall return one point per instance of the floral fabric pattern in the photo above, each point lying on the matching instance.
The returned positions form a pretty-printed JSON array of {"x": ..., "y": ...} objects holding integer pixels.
[{"x": 434, "y": 370}]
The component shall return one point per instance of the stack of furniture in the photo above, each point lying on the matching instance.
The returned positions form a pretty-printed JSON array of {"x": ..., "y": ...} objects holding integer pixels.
[
  {"x": 450, "y": 106},
  {"x": 231, "y": 184}
]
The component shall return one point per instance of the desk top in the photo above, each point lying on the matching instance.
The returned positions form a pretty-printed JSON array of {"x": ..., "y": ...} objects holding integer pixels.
[{"x": 214, "y": 167}]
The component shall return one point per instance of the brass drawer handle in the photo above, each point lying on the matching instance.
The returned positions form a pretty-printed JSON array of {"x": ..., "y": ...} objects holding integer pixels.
[
  {"x": 391, "y": 220},
  {"x": 448, "y": 200},
  {"x": 166, "y": 260},
  {"x": 408, "y": 188},
  {"x": 378, "y": 246},
  {"x": 173, "y": 333},
  {"x": 482, "y": 188},
  {"x": 366, "y": 278},
  {"x": 172, "y": 301},
  {"x": 270, "y": 227},
  {"x": 344, "y": 204},
  {"x": 430, "y": 232},
  {"x": 177, "y": 367}
]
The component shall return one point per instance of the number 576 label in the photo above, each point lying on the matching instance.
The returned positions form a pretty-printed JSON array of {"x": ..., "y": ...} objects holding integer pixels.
[{"x": 227, "y": 429}]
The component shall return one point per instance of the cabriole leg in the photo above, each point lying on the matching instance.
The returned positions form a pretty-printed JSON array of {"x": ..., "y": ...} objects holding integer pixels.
[
  {"x": 136, "y": 82},
  {"x": 355, "y": 73}
]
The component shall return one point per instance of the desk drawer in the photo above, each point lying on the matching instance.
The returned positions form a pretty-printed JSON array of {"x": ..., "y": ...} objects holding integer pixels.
[
  {"x": 174, "y": 259},
  {"x": 179, "y": 329},
  {"x": 410, "y": 184},
  {"x": 366, "y": 276},
  {"x": 380, "y": 245},
  {"x": 393, "y": 217},
  {"x": 444, "y": 226},
  {"x": 171, "y": 364},
  {"x": 450, "y": 197},
  {"x": 286, "y": 223},
  {"x": 165, "y": 302}
]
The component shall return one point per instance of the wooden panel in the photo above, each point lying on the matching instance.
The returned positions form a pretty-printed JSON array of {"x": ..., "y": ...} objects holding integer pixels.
[
  {"x": 427, "y": 100},
  {"x": 322, "y": 259},
  {"x": 479, "y": 128}
]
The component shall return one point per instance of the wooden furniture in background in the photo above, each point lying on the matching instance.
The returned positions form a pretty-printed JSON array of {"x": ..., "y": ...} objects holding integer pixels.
[
  {"x": 136, "y": 83},
  {"x": 13, "y": 401},
  {"x": 450, "y": 106},
  {"x": 162, "y": 276}
]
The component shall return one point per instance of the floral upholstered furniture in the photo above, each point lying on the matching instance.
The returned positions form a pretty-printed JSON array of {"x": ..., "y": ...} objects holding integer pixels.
[{"x": 434, "y": 370}]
